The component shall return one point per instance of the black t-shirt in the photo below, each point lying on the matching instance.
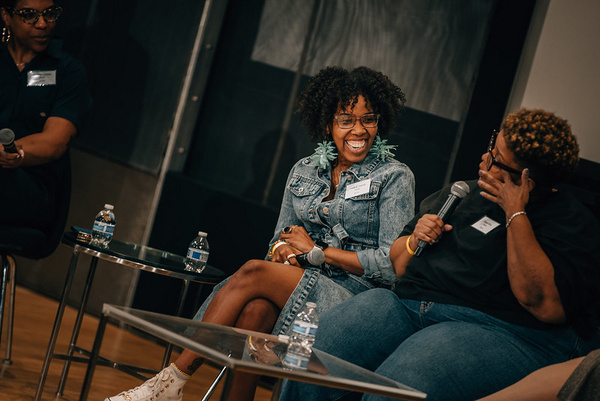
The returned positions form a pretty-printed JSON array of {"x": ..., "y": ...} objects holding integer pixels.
[
  {"x": 53, "y": 84},
  {"x": 468, "y": 266}
]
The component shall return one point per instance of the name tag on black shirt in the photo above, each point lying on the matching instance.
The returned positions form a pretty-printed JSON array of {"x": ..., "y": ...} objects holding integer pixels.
[
  {"x": 41, "y": 78},
  {"x": 485, "y": 225}
]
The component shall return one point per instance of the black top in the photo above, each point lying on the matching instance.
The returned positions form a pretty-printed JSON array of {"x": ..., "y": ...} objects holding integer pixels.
[
  {"x": 469, "y": 267},
  {"x": 27, "y": 100}
]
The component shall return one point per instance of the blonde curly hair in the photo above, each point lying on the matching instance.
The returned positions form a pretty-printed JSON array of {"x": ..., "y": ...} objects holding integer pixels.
[{"x": 542, "y": 142}]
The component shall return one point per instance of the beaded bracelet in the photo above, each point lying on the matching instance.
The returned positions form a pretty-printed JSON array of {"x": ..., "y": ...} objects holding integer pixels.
[
  {"x": 513, "y": 216},
  {"x": 410, "y": 251}
]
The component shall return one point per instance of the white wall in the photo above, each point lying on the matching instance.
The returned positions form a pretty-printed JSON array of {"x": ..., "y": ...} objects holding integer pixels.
[{"x": 560, "y": 69}]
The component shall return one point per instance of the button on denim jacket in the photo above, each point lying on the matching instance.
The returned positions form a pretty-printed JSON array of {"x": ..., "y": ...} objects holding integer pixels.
[{"x": 367, "y": 223}]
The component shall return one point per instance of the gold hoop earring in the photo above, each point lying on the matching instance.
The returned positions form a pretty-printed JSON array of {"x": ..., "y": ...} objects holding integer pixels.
[{"x": 5, "y": 35}]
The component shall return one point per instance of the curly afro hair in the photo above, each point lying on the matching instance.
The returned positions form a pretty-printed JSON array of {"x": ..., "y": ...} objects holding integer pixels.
[
  {"x": 542, "y": 142},
  {"x": 335, "y": 87}
]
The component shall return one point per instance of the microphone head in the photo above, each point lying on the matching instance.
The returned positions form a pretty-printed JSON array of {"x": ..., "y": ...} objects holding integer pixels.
[
  {"x": 6, "y": 136},
  {"x": 316, "y": 258},
  {"x": 460, "y": 189},
  {"x": 313, "y": 258}
]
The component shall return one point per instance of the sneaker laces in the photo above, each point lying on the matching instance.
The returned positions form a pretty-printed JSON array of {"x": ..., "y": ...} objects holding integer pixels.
[{"x": 154, "y": 386}]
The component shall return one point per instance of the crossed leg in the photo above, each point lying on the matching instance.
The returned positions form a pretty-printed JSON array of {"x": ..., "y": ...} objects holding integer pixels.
[{"x": 251, "y": 300}]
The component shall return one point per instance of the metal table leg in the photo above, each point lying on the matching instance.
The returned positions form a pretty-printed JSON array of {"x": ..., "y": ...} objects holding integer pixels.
[
  {"x": 77, "y": 327},
  {"x": 4, "y": 265},
  {"x": 182, "y": 297},
  {"x": 227, "y": 385},
  {"x": 276, "y": 390},
  {"x": 10, "y": 318},
  {"x": 87, "y": 382},
  {"x": 213, "y": 386},
  {"x": 57, "y": 323}
]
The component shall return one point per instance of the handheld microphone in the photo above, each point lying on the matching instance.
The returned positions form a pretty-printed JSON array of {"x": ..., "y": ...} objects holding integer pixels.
[
  {"x": 459, "y": 190},
  {"x": 7, "y": 139},
  {"x": 315, "y": 257}
]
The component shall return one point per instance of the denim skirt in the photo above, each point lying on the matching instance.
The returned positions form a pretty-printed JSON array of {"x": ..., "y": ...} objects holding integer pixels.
[{"x": 326, "y": 288}]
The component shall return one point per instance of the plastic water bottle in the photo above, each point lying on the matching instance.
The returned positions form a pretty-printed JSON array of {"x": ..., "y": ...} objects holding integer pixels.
[
  {"x": 302, "y": 337},
  {"x": 104, "y": 226},
  {"x": 197, "y": 253}
]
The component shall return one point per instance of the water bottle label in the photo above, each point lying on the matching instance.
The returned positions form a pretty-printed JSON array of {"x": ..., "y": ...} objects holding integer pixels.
[
  {"x": 103, "y": 227},
  {"x": 296, "y": 361},
  {"x": 305, "y": 328},
  {"x": 197, "y": 254}
]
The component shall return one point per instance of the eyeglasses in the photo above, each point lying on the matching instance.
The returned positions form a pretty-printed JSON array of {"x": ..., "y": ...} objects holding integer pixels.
[
  {"x": 31, "y": 16},
  {"x": 492, "y": 159},
  {"x": 347, "y": 121}
]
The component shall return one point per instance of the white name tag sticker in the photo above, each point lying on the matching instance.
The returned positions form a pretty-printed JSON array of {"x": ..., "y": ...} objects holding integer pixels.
[
  {"x": 358, "y": 188},
  {"x": 485, "y": 225},
  {"x": 41, "y": 78}
]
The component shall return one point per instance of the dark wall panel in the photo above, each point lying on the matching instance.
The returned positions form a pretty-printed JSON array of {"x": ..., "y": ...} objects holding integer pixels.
[
  {"x": 136, "y": 54},
  {"x": 238, "y": 230}
]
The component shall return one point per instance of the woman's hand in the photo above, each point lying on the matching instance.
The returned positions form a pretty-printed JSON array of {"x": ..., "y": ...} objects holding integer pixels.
[
  {"x": 298, "y": 238},
  {"x": 429, "y": 228},
  {"x": 510, "y": 196},
  {"x": 11, "y": 160},
  {"x": 286, "y": 253},
  {"x": 530, "y": 271}
]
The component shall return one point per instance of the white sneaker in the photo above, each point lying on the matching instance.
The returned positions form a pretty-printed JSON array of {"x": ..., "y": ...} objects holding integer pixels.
[{"x": 167, "y": 385}]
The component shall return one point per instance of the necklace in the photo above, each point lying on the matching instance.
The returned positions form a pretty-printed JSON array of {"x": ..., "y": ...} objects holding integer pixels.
[
  {"x": 334, "y": 175},
  {"x": 12, "y": 52}
]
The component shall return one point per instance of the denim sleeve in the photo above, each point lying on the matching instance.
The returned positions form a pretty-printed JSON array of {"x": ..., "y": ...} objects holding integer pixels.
[
  {"x": 287, "y": 214},
  {"x": 396, "y": 208}
]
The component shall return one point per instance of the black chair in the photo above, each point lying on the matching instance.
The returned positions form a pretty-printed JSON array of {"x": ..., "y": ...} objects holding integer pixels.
[{"x": 32, "y": 244}]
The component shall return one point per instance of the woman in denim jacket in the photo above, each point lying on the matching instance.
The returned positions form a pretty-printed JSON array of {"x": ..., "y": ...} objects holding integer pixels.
[{"x": 342, "y": 209}]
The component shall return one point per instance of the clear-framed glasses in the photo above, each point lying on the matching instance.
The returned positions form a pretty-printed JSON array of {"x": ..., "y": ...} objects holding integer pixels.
[
  {"x": 491, "y": 161},
  {"x": 31, "y": 16},
  {"x": 347, "y": 121}
]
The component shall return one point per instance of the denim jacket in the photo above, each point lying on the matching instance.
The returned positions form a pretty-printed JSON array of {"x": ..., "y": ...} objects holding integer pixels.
[{"x": 367, "y": 222}]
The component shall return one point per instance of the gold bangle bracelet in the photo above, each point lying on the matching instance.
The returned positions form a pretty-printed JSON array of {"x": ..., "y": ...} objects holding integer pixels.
[
  {"x": 410, "y": 251},
  {"x": 276, "y": 245}
]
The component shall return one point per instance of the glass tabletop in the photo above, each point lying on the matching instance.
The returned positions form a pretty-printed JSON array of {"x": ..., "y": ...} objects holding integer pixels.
[
  {"x": 144, "y": 258},
  {"x": 258, "y": 353}
]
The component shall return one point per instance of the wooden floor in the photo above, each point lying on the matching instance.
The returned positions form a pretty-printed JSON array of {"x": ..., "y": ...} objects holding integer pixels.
[{"x": 34, "y": 318}]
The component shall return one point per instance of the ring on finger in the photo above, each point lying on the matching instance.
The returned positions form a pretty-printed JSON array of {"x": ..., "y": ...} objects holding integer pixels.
[
  {"x": 287, "y": 229},
  {"x": 291, "y": 255}
]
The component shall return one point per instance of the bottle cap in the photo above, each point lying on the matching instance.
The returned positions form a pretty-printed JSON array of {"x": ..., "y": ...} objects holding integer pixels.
[
  {"x": 108, "y": 206},
  {"x": 202, "y": 233}
]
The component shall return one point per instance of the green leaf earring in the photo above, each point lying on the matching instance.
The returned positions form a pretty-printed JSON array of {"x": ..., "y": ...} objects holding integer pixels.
[
  {"x": 381, "y": 149},
  {"x": 324, "y": 154}
]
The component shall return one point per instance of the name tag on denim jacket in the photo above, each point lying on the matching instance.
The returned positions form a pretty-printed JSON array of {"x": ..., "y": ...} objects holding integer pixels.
[
  {"x": 358, "y": 188},
  {"x": 41, "y": 78}
]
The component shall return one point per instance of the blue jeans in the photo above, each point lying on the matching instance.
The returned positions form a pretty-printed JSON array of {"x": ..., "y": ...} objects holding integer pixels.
[{"x": 447, "y": 351}]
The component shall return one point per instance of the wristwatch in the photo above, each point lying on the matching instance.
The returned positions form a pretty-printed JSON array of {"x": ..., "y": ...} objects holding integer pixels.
[{"x": 321, "y": 244}]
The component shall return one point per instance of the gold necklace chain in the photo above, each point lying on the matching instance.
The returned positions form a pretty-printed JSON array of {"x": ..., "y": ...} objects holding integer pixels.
[{"x": 338, "y": 175}]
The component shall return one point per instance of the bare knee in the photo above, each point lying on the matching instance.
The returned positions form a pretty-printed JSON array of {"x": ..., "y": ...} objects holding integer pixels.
[
  {"x": 249, "y": 273},
  {"x": 259, "y": 315}
]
